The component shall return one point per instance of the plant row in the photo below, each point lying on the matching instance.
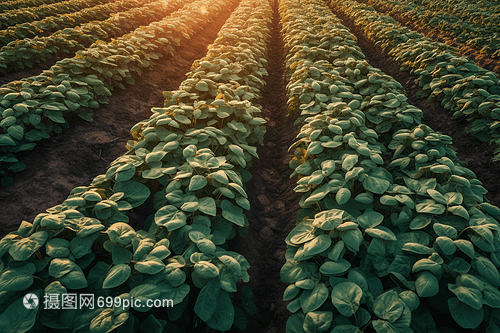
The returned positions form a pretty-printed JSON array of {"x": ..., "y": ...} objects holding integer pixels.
[
  {"x": 478, "y": 12},
  {"x": 18, "y": 4},
  {"x": 24, "y": 53},
  {"x": 55, "y": 23},
  {"x": 469, "y": 91},
  {"x": 394, "y": 234},
  {"x": 35, "y": 107},
  {"x": 15, "y": 16},
  {"x": 481, "y": 34},
  {"x": 189, "y": 159}
]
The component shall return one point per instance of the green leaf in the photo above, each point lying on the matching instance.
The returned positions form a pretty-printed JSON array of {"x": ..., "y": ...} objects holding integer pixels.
[
  {"x": 121, "y": 233},
  {"x": 370, "y": 219},
  {"x": 343, "y": 195},
  {"x": 206, "y": 269},
  {"x": 232, "y": 213},
  {"x": 470, "y": 296},
  {"x": 116, "y": 276},
  {"x": 327, "y": 220},
  {"x": 120, "y": 255},
  {"x": 317, "y": 321},
  {"x": 176, "y": 294},
  {"x": 17, "y": 279},
  {"x": 335, "y": 268},
  {"x": 313, "y": 247},
  {"x": 206, "y": 302},
  {"x": 207, "y": 206},
  {"x": 17, "y": 318},
  {"x": 144, "y": 292},
  {"x": 316, "y": 298},
  {"x": 149, "y": 264},
  {"x": 430, "y": 207},
  {"x": 170, "y": 217},
  {"x": 491, "y": 296},
  {"x": 135, "y": 193},
  {"x": 420, "y": 222},
  {"x": 487, "y": 269},
  {"x": 427, "y": 284},
  {"x": 382, "y": 326},
  {"x": 447, "y": 246},
  {"x": 68, "y": 273},
  {"x": 223, "y": 316},
  {"x": 465, "y": 315},
  {"x": 346, "y": 298},
  {"x": 460, "y": 211},
  {"x": 352, "y": 238},
  {"x": 349, "y": 162},
  {"x": 388, "y": 306},
  {"x": 197, "y": 182},
  {"x": 375, "y": 184},
  {"x": 24, "y": 248},
  {"x": 292, "y": 272},
  {"x": 382, "y": 233}
]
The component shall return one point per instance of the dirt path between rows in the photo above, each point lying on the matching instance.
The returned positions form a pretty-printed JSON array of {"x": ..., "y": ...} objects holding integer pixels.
[
  {"x": 274, "y": 204},
  {"x": 482, "y": 60},
  {"x": 477, "y": 155},
  {"x": 83, "y": 151}
]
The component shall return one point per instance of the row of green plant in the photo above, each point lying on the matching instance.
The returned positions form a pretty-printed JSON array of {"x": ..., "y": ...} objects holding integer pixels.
[
  {"x": 33, "y": 108},
  {"x": 482, "y": 35},
  {"x": 24, "y": 53},
  {"x": 52, "y": 24},
  {"x": 15, "y": 16},
  {"x": 469, "y": 91},
  {"x": 393, "y": 235},
  {"x": 477, "y": 11},
  {"x": 189, "y": 160},
  {"x": 17, "y": 4}
]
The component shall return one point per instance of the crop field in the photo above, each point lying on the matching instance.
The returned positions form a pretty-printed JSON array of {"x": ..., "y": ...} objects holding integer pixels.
[{"x": 263, "y": 166}]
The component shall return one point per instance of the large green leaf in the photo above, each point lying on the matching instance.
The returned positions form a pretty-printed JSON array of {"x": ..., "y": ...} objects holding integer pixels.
[
  {"x": 206, "y": 302},
  {"x": 292, "y": 272},
  {"x": 207, "y": 206},
  {"x": 23, "y": 249},
  {"x": 487, "y": 269},
  {"x": 135, "y": 193},
  {"x": 346, "y": 297},
  {"x": 17, "y": 279},
  {"x": 335, "y": 268},
  {"x": 427, "y": 284},
  {"x": 170, "y": 217},
  {"x": 223, "y": 316},
  {"x": 116, "y": 276},
  {"x": 68, "y": 273},
  {"x": 465, "y": 315},
  {"x": 470, "y": 296},
  {"x": 17, "y": 318},
  {"x": 315, "y": 298},
  {"x": 121, "y": 233},
  {"x": 376, "y": 184},
  {"x": 318, "y": 321},
  {"x": 388, "y": 306},
  {"x": 232, "y": 213},
  {"x": 313, "y": 247},
  {"x": 144, "y": 292},
  {"x": 197, "y": 182}
]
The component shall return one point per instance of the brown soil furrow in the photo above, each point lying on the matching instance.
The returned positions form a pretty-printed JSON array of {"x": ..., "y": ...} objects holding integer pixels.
[
  {"x": 477, "y": 155},
  {"x": 273, "y": 201},
  {"x": 84, "y": 150},
  {"x": 482, "y": 60}
]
